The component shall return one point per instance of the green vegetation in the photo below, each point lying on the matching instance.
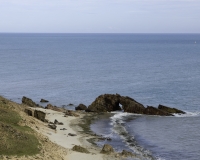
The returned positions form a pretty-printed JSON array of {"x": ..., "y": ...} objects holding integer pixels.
[
  {"x": 15, "y": 139},
  {"x": 86, "y": 122}
]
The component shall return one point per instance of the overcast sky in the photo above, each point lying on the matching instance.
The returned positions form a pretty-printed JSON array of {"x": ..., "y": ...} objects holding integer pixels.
[{"x": 100, "y": 16}]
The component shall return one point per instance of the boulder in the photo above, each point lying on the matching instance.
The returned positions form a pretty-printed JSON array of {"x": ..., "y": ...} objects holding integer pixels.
[
  {"x": 29, "y": 111},
  {"x": 49, "y": 106},
  {"x": 80, "y": 149},
  {"x": 29, "y": 102},
  {"x": 81, "y": 107},
  {"x": 127, "y": 154},
  {"x": 63, "y": 129},
  {"x": 105, "y": 103},
  {"x": 70, "y": 104},
  {"x": 170, "y": 110},
  {"x": 71, "y": 113},
  {"x": 52, "y": 126},
  {"x": 39, "y": 115},
  {"x": 58, "y": 123},
  {"x": 72, "y": 134},
  {"x": 155, "y": 111},
  {"x": 107, "y": 149},
  {"x": 44, "y": 101},
  {"x": 131, "y": 106}
]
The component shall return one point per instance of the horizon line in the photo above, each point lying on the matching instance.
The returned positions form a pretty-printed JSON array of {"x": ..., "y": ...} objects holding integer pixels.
[{"x": 95, "y": 33}]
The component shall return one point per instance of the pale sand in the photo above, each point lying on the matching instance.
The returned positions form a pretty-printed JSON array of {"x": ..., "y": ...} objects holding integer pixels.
[{"x": 62, "y": 138}]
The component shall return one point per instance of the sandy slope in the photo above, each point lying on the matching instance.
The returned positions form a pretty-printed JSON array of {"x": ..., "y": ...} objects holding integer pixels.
[{"x": 62, "y": 138}]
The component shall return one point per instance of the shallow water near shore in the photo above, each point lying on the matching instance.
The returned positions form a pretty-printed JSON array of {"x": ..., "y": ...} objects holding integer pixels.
[
  {"x": 76, "y": 68},
  {"x": 152, "y": 137}
]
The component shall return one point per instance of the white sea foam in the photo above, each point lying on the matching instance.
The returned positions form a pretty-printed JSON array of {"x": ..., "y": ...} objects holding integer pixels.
[
  {"x": 159, "y": 158},
  {"x": 120, "y": 115},
  {"x": 118, "y": 128},
  {"x": 188, "y": 114}
]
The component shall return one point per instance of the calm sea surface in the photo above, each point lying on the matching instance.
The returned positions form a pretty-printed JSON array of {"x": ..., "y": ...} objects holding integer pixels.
[{"x": 76, "y": 68}]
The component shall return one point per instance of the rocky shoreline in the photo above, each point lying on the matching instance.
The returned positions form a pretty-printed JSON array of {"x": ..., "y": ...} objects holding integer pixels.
[
  {"x": 59, "y": 125},
  {"x": 65, "y": 134},
  {"x": 112, "y": 102},
  {"x": 80, "y": 125}
]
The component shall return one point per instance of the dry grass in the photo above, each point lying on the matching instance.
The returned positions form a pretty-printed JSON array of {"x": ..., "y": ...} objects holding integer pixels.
[{"x": 15, "y": 139}]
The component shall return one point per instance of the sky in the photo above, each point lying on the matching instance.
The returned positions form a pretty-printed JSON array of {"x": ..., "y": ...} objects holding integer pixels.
[{"x": 100, "y": 16}]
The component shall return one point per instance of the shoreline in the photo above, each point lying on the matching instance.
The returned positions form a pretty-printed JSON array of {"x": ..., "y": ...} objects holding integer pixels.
[
  {"x": 58, "y": 144},
  {"x": 79, "y": 137}
]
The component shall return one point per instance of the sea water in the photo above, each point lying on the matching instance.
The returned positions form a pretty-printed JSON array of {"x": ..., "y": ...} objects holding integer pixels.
[{"x": 76, "y": 68}]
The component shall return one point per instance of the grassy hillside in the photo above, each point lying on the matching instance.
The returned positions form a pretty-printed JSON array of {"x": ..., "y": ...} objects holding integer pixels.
[{"x": 15, "y": 139}]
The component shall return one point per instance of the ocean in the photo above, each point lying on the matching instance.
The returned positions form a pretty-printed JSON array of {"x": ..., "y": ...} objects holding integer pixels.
[{"x": 76, "y": 68}]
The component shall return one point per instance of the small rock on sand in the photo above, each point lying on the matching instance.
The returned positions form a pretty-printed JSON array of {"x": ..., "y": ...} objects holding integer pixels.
[
  {"x": 80, "y": 149},
  {"x": 71, "y": 134},
  {"x": 107, "y": 149}
]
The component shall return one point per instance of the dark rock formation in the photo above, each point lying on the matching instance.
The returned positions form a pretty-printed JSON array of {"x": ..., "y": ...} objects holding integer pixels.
[
  {"x": 131, "y": 106},
  {"x": 52, "y": 126},
  {"x": 81, "y": 107},
  {"x": 127, "y": 154},
  {"x": 105, "y": 103},
  {"x": 170, "y": 110},
  {"x": 39, "y": 115},
  {"x": 80, "y": 149},
  {"x": 58, "y": 123},
  {"x": 29, "y": 111},
  {"x": 155, "y": 111},
  {"x": 44, "y": 101},
  {"x": 107, "y": 149},
  {"x": 112, "y": 102},
  {"x": 71, "y": 134},
  {"x": 29, "y": 102},
  {"x": 70, "y": 104},
  {"x": 71, "y": 113},
  {"x": 49, "y": 106},
  {"x": 63, "y": 129}
]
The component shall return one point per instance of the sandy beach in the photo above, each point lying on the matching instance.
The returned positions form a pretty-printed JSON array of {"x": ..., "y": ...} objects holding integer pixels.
[
  {"x": 58, "y": 143},
  {"x": 60, "y": 136}
]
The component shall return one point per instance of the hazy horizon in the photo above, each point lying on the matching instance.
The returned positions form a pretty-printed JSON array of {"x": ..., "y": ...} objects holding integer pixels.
[
  {"x": 84, "y": 33},
  {"x": 94, "y": 16}
]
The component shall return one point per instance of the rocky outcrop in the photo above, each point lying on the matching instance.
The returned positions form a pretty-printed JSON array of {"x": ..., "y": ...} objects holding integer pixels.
[
  {"x": 127, "y": 154},
  {"x": 52, "y": 126},
  {"x": 36, "y": 113},
  {"x": 107, "y": 149},
  {"x": 131, "y": 106},
  {"x": 29, "y": 102},
  {"x": 105, "y": 103},
  {"x": 55, "y": 108},
  {"x": 155, "y": 111},
  {"x": 170, "y": 110},
  {"x": 72, "y": 134},
  {"x": 39, "y": 115},
  {"x": 81, "y": 107},
  {"x": 44, "y": 101},
  {"x": 80, "y": 149},
  {"x": 28, "y": 111},
  {"x": 71, "y": 113},
  {"x": 112, "y": 102},
  {"x": 109, "y": 103},
  {"x": 58, "y": 123}
]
